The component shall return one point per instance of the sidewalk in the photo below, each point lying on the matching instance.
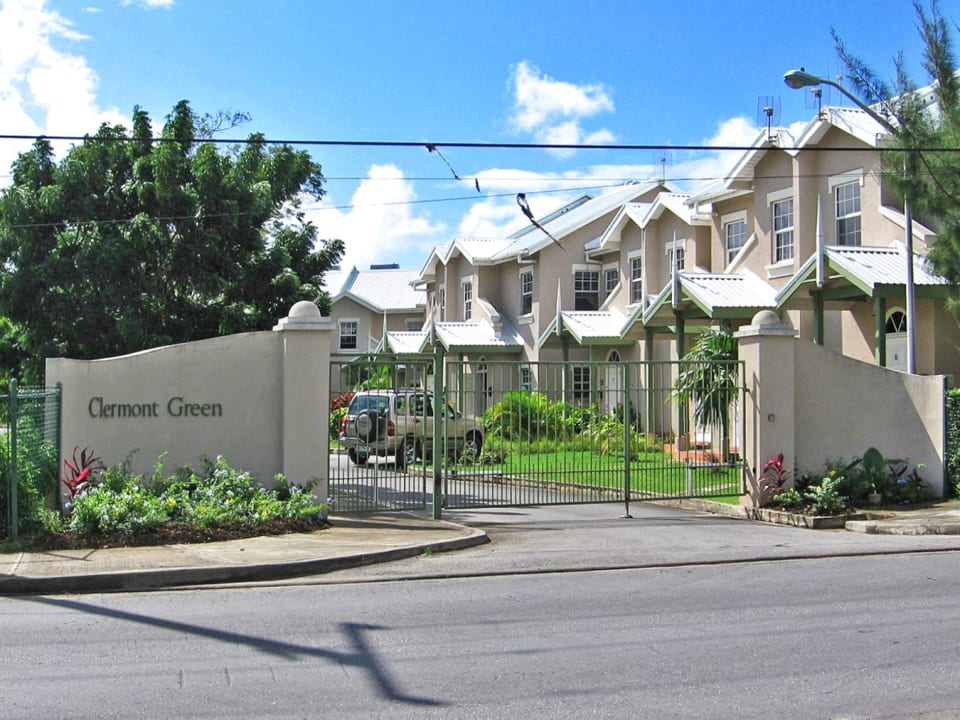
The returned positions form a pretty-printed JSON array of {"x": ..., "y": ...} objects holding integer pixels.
[
  {"x": 349, "y": 542},
  {"x": 354, "y": 542}
]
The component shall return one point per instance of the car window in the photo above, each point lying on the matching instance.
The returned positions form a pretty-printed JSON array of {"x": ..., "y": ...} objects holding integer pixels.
[
  {"x": 421, "y": 406},
  {"x": 400, "y": 405},
  {"x": 376, "y": 403}
]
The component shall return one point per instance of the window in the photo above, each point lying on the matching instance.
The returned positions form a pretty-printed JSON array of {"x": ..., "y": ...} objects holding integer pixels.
[
  {"x": 348, "y": 334},
  {"x": 414, "y": 324},
  {"x": 783, "y": 230},
  {"x": 735, "y": 233},
  {"x": 467, "y": 300},
  {"x": 526, "y": 379},
  {"x": 678, "y": 253},
  {"x": 848, "y": 213},
  {"x": 526, "y": 293},
  {"x": 610, "y": 279},
  {"x": 586, "y": 290},
  {"x": 581, "y": 385},
  {"x": 636, "y": 279}
]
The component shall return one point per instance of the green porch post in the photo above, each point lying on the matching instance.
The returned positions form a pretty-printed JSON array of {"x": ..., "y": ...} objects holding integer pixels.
[
  {"x": 818, "y": 318},
  {"x": 438, "y": 404},
  {"x": 880, "y": 330}
]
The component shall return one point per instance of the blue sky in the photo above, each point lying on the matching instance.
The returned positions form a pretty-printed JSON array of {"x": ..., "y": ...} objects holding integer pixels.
[{"x": 620, "y": 72}]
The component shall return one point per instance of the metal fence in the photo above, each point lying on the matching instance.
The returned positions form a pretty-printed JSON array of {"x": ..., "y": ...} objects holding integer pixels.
[
  {"x": 29, "y": 454},
  {"x": 532, "y": 433}
]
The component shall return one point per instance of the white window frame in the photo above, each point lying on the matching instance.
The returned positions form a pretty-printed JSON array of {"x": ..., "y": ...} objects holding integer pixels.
[
  {"x": 581, "y": 385},
  {"x": 413, "y": 324},
  {"x": 355, "y": 322},
  {"x": 726, "y": 223},
  {"x": 583, "y": 273},
  {"x": 847, "y": 216},
  {"x": 677, "y": 254},
  {"x": 441, "y": 301},
  {"x": 784, "y": 249},
  {"x": 526, "y": 294},
  {"x": 635, "y": 263},
  {"x": 525, "y": 378},
  {"x": 610, "y": 271},
  {"x": 466, "y": 292}
]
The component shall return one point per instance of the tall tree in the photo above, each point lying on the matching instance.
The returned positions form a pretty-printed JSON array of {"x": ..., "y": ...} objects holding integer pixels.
[
  {"x": 131, "y": 242},
  {"x": 927, "y": 122}
]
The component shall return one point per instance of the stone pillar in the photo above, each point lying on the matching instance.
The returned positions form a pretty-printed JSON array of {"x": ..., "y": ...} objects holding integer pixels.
[
  {"x": 766, "y": 347},
  {"x": 306, "y": 395}
]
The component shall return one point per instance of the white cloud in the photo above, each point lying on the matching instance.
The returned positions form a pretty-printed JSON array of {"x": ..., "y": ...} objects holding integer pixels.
[
  {"x": 42, "y": 89},
  {"x": 150, "y": 4},
  {"x": 379, "y": 225},
  {"x": 495, "y": 216},
  {"x": 552, "y": 110}
]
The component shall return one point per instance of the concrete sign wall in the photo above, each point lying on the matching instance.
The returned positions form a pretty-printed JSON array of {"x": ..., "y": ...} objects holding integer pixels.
[{"x": 259, "y": 399}]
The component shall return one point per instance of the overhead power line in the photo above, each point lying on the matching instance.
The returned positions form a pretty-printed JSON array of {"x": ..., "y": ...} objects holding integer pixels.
[{"x": 474, "y": 145}]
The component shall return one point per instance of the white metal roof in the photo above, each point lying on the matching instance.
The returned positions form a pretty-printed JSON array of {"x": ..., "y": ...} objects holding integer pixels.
[
  {"x": 593, "y": 324},
  {"x": 852, "y": 121},
  {"x": 883, "y": 265},
  {"x": 385, "y": 289},
  {"x": 407, "y": 343},
  {"x": 740, "y": 290},
  {"x": 477, "y": 333}
]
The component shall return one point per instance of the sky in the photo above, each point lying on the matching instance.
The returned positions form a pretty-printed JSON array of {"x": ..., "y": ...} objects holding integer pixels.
[{"x": 613, "y": 72}]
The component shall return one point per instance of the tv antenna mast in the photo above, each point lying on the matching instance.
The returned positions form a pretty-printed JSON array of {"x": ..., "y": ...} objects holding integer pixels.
[
  {"x": 664, "y": 158},
  {"x": 768, "y": 113}
]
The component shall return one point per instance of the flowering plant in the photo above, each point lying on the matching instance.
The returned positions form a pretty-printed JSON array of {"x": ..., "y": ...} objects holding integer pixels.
[
  {"x": 82, "y": 472},
  {"x": 773, "y": 479}
]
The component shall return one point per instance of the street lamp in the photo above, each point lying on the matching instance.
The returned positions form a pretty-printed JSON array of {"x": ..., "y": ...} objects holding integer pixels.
[{"x": 797, "y": 79}]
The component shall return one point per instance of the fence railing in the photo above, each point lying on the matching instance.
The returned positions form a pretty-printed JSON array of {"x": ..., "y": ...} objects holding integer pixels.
[
  {"x": 516, "y": 433},
  {"x": 29, "y": 454}
]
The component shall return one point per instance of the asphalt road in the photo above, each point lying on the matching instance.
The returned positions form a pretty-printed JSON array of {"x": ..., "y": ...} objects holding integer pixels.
[{"x": 820, "y": 637}]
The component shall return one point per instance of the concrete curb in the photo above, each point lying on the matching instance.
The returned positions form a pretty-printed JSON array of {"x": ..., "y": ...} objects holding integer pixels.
[{"x": 134, "y": 580}]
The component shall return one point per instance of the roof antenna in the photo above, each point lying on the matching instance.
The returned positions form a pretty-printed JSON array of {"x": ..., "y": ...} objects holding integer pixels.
[
  {"x": 768, "y": 112},
  {"x": 664, "y": 158}
]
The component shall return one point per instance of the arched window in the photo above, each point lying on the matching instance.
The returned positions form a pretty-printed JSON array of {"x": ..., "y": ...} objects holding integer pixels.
[{"x": 896, "y": 322}]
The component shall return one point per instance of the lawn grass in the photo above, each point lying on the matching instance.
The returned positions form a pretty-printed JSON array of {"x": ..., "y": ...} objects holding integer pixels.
[{"x": 650, "y": 472}]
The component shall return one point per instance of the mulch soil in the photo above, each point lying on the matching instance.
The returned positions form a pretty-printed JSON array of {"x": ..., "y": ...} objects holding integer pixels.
[{"x": 174, "y": 533}]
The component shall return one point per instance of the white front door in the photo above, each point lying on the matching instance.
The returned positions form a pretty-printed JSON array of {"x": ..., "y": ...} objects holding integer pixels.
[{"x": 613, "y": 382}]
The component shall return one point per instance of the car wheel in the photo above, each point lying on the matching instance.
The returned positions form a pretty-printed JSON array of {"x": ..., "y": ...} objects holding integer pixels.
[{"x": 473, "y": 444}]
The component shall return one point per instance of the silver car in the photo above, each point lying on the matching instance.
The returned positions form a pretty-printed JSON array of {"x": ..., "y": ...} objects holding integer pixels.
[{"x": 399, "y": 424}]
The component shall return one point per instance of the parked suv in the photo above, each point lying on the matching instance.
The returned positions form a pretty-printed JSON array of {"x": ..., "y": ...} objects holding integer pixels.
[{"x": 399, "y": 424}]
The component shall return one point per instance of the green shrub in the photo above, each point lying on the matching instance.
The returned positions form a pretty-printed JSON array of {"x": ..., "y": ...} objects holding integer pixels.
[
  {"x": 952, "y": 464},
  {"x": 336, "y": 418},
  {"x": 824, "y": 499},
  {"x": 36, "y": 476},
  {"x": 217, "y": 495}
]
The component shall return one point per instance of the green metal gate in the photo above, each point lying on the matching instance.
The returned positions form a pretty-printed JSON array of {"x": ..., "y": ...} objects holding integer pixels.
[
  {"x": 29, "y": 455},
  {"x": 531, "y": 433}
]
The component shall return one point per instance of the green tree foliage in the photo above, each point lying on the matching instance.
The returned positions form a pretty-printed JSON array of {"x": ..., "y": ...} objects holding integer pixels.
[
  {"x": 708, "y": 376},
  {"x": 928, "y": 134},
  {"x": 131, "y": 242}
]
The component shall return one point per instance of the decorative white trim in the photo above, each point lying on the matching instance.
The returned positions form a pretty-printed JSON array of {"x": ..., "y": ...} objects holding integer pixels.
[
  {"x": 784, "y": 268},
  {"x": 778, "y": 195},
  {"x": 583, "y": 267},
  {"x": 739, "y": 216},
  {"x": 845, "y": 178}
]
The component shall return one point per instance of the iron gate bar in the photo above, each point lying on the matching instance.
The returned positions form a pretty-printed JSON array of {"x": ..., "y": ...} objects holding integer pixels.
[{"x": 582, "y": 432}]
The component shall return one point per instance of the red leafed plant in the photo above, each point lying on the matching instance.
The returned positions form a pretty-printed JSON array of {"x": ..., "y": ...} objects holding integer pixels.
[
  {"x": 773, "y": 479},
  {"x": 80, "y": 471}
]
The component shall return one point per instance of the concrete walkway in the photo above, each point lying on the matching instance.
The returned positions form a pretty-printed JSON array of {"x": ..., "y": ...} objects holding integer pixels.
[{"x": 681, "y": 533}]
